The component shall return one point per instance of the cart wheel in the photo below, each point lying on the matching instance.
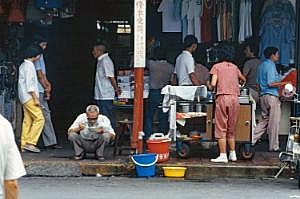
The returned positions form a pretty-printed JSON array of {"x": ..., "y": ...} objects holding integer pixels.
[
  {"x": 184, "y": 151},
  {"x": 247, "y": 151}
]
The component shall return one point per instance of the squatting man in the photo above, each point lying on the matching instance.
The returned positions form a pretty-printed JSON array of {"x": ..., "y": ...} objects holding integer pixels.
[{"x": 90, "y": 133}]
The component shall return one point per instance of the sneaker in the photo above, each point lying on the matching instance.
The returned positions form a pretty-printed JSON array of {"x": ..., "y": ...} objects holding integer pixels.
[
  {"x": 100, "y": 158},
  {"x": 275, "y": 150},
  {"x": 31, "y": 148},
  {"x": 79, "y": 157},
  {"x": 232, "y": 157},
  {"x": 220, "y": 159}
]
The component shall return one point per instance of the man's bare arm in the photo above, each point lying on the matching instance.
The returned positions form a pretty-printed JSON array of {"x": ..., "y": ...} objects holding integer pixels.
[
  {"x": 11, "y": 189},
  {"x": 44, "y": 81},
  {"x": 115, "y": 86},
  {"x": 194, "y": 79},
  {"x": 174, "y": 79}
]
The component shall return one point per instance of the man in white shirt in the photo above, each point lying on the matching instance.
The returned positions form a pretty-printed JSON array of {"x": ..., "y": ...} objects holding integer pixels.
[
  {"x": 33, "y": 121},
  {"x": 11, "y": 164},
  {"x": 184, "y": 73},
  {"x": 105, "y": 84},
  {"x": 90, "y": 132}
]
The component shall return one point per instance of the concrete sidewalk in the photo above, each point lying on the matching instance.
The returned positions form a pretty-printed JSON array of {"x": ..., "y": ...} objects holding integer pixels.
[{"x": 59, "y": 162}]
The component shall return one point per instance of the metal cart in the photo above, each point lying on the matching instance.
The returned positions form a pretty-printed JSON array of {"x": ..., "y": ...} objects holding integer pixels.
[{"x": 184, "y": 142}]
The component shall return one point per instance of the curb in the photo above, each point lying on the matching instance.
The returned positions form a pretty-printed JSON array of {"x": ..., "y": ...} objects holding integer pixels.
[{"x": 49, "y": 168}]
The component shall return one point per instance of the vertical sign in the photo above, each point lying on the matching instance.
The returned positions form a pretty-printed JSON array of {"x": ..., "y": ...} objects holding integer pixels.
[{"x": 139, "y": 33}]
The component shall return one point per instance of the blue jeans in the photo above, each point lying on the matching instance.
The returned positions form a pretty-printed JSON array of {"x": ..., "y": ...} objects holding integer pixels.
[
  {"x": 154, "y": 100},
  {"x": 107, "y": 109}
]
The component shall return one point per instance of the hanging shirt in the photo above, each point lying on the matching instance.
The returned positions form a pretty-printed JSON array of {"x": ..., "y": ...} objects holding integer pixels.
[
  {"x": 177, "y": 12},
  {"x": 105, "y": 69},
  {"x": 193, "y": 17},
  {"x": 206, "y": 30},
  {"x": 245, "y": 20},
  {"x": 16, "y": 12},
  {"x": 169, "y": 22},
  {"x": 184, "y": 18},
  {"x": 27, "y": 81},
  {"x": 278, "y": 30}
]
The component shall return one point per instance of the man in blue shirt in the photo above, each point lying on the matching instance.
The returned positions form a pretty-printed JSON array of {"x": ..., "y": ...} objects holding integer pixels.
[
  {"x": 269, "y": 83},
  {"x": 44, "y": 86}
]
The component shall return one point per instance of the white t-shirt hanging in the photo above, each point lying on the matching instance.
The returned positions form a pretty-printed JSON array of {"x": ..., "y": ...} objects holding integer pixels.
[
  {"x": 293, "y": 2},
  {"x": 169, "y": 21},
  {"x": 245, "y": 20},
  {"x": 193, "y": 16}
]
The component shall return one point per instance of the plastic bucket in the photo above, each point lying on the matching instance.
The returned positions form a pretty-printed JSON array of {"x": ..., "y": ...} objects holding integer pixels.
[
  {"x": 145, "y": 164},
  {"x": 174, "y": 172},
  {"x": 161, "y": 148}
]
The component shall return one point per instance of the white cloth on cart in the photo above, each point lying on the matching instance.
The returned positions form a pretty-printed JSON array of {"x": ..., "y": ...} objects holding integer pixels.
[{"x": 184, "y": 92}]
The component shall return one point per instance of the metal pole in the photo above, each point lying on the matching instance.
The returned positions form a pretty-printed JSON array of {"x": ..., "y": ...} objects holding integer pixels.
[
  {"x": 139, "y": 64},
  {"x": 138, "y": 109}
]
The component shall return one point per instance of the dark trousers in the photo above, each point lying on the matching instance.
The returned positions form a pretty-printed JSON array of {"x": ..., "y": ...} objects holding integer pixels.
[
  {"x": 107, "y": 109},
  {"x": 154, "y": 100}
]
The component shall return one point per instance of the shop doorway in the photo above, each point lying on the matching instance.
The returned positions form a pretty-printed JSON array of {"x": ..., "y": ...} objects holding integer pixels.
[{"x": 71, "y": 66}]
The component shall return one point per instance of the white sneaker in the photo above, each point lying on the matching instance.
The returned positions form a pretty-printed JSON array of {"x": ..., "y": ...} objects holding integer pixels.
[
  {"x": 232, "y": 157},
  {"x": 220, "y": 159}
]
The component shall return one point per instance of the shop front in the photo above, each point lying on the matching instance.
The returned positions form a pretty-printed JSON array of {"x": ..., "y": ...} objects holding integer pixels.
[{"x": 72, "y": 27}]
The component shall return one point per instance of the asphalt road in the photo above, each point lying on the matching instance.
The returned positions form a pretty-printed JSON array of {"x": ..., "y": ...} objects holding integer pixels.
[{"x": 130, "y": 188}]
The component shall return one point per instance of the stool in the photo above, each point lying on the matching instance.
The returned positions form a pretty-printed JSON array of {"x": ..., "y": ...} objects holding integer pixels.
[{"x": 123, "y": 134}]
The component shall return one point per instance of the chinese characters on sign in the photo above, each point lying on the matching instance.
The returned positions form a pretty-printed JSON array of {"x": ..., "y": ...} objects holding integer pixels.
[{"x": 139, "y": 33}]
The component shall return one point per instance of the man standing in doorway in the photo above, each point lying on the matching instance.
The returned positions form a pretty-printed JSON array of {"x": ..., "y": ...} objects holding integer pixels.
[
  {"x": 105, "y": 83},
  {"x": 269, "y": 82},
  {"x": 160, "y": 72},
  {"x": 44, "y": 86},
  {"x": 184, "y": 73}
]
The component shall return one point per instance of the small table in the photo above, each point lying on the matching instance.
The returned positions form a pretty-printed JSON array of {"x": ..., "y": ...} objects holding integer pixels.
[{"x": 123, "y": 134}]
